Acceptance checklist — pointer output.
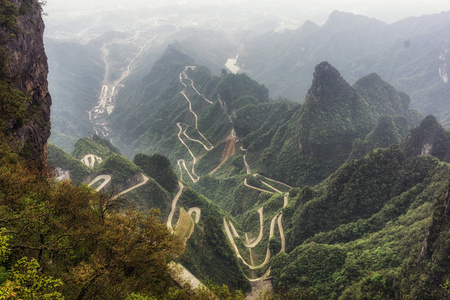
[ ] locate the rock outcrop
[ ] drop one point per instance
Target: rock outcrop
(25, 67)
(429, 138)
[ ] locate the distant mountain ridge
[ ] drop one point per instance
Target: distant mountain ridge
(411, 54)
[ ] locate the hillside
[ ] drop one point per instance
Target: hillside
(149, 182)
(329, 146)
(365, 231)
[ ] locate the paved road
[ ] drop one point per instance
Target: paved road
(195, 116)
(195, 140)
(106, 178)
(174, 204)
(282, 183)
(194, 159)
(281, 229)
(185, 76)
(271, 187)
(90, 160)
(255, 188)
(144, 181)
(197, 212)
(261, 230)
(286, 200)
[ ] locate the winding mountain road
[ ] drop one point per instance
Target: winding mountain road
(230, 230)
(181, 162)
(194, 140)
(195, 116)
(197, 212)
(90, 160)
(174, 204)
(236, 250)
(185, 76)
(261, 230)
(255, 188)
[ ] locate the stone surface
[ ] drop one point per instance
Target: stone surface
(26, 67)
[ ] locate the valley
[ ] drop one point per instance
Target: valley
(291, 168)
(223, 136)
(195, 178)
(111, 87)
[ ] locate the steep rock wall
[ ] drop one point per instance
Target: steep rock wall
(25, 67)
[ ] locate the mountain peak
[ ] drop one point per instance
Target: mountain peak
(341, 20)
(429, 138)
(309, 27)
(326, 78)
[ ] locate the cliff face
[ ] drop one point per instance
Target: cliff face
(25, 68)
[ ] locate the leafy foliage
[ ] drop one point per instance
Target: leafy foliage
(13, 107)
(77, 237)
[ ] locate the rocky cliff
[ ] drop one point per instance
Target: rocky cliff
(24, 68)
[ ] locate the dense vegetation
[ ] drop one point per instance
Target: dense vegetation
(56, 233)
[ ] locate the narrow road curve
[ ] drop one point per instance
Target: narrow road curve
(247, 167)
(194, 159)
(106, 178)
(197, 212)
(234, 230)
(281, 230)
(182, 164)
(271, 234)
(144, 181)
(195, 116)
(255, 188)
(174, 204)
(195, 140)
(286, 200)
(185, 76)
(282, 183)
(271, 187)
(90, 160)
(261, 230)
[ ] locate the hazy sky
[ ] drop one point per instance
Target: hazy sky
(315, 10)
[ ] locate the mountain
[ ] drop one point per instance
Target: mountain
(410, 54)
(315, 139)
(352, 150)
